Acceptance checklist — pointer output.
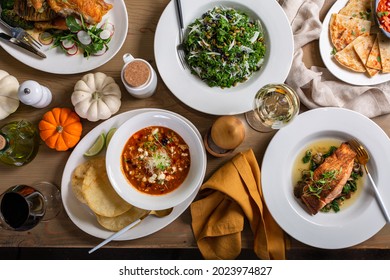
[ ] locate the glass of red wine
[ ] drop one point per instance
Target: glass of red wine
(22, 207)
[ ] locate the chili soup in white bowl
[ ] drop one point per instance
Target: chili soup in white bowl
(155, 160)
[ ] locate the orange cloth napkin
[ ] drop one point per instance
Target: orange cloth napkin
(232, 193)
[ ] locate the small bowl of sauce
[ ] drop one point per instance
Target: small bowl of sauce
(382, 15)
(138, 77)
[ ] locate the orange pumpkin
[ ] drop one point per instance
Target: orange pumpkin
(60, 129)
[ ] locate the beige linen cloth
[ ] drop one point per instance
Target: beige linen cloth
(316, 86)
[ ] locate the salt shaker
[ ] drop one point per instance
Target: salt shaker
(33, 94)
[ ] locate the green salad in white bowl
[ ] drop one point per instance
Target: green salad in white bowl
(224, 47)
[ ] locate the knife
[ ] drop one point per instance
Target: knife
(21, 44)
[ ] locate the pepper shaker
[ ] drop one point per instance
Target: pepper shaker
(224, 136)
(33, 94)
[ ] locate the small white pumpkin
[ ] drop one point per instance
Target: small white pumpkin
(9, 100)
(96, 97)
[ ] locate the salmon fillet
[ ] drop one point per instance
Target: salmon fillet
(329, 179)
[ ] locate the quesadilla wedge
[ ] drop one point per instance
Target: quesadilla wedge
(363, 49)
(358, 8)
(344, 29)
(374, 58)
(384, 50)
(349, 58)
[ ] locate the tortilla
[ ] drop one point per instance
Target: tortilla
(363, 49)
(349, 58)
(358, 8)
(119, 222)
(374, 58)
(344, 29)
(79, 174)
(384, 50)
(100, 195)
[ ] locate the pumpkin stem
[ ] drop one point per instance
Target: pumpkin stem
(59, 129)
(96, 95)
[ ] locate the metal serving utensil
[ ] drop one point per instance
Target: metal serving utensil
(21, 34)
(180, 47)
(363, 157)
(157, 213)
(21, 44)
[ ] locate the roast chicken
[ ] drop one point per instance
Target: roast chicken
(92, 11)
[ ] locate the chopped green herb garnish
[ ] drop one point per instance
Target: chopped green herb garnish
(307, 157)
(382, 14)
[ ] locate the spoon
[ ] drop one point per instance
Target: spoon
(363, 157)
(157, 213)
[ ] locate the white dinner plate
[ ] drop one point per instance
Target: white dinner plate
(356, 222)
(340, 72)
(82, 216)
(214, 100)
(57, 62)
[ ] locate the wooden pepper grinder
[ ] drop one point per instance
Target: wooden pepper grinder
(33, 94)
(225, 135)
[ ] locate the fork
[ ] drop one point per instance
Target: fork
(21, 34)
(180, 48)
(363, 157)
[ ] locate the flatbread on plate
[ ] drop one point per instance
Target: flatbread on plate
(358, 8)
(374, 58)
(349, 58)
(101, 196)
(119, 222)
(384, 50)
(363, 49)
(344, 29)
(79, 174)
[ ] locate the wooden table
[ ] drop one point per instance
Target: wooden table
(49, 164)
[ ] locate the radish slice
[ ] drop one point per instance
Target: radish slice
(105, 34)
(73, 50)
(45, 38)
(84, 37)
(79, 22)
(101, 52)
(67, 44)
(110, 27)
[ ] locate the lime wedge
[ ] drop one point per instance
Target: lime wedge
(109, 135)
(96, 147)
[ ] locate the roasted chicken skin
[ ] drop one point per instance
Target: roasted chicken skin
(329, 179)
(91, 10)
(37, 4)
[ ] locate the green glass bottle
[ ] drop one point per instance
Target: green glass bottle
(19, 143)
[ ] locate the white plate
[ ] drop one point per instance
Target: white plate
(57, 62)
(197, 94)
(326, 48)
(143, 200)
(356, 222)
(82, 216)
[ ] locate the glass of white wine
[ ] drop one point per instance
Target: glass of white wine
(274, 106)
(22, 207)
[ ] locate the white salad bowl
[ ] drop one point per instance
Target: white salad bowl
(143, 200)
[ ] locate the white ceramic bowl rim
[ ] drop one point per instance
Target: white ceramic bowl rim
(155, 202)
